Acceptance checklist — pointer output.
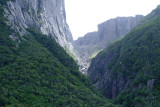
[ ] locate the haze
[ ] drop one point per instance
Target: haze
(84, 15)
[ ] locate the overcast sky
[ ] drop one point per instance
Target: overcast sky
(84, 15)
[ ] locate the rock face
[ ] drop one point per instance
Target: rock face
(130, 65)
(150, 84)
(115, 28)
(47, 16)
(109, 31)
(103, 77)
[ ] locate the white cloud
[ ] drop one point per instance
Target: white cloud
(84, 15)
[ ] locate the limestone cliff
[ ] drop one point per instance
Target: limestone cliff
(35, 71)
(47, 16)
(109, 31)
(129, 68)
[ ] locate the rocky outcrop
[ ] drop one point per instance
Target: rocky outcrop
(47, 16)
(109, 31)
(88, 39)
(115, 28)
(130, 65)
(150, 84)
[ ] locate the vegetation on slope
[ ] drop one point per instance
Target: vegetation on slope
(36, 71)
(135, 58)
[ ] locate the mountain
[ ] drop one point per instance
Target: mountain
(35, 71)
(109, 31)
(46, 16)
(129, 69)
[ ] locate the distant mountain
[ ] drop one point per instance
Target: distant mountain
(35, 71)
(129, 69)
(109, 31)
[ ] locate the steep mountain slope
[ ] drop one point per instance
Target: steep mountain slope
(109, 31)
(35, 71)
(130, 68)
(47, 16)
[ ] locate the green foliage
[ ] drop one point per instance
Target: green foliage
(37, 72)
(140, 97)
(7, 46)
(137, 59)
(55, 49)
(152, 15)
(139, 51)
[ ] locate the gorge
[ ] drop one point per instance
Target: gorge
(108, 32)
(41, 64)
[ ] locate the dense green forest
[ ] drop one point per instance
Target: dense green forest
(135, 58)
(36, 72)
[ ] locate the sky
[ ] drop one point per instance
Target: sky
(83, 16)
